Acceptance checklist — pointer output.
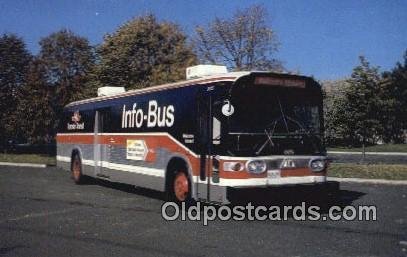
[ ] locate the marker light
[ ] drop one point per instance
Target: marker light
(317, 165)
(256, 166)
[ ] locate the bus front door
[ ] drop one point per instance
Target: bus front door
(204, 125)
(207, 184)
(209, 137)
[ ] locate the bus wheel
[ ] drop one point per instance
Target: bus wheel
(76, 170)
(181, 187)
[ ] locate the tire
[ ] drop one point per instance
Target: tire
(180, 187)
(76, 170)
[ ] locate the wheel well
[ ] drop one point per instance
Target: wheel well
(174, 165)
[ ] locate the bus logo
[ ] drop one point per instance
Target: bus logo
(76, 118)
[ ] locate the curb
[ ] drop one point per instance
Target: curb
(369, 181)
(31, 165)
(368, 153)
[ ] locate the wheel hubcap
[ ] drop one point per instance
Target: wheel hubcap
(181, 186)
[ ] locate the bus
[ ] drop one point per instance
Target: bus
(200, 138)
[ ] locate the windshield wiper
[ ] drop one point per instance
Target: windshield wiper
(269, 138)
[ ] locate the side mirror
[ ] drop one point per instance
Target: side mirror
(227, 108)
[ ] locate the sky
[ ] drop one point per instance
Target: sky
(317, 38)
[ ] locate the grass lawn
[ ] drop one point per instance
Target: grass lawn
(373, 171)
(28, 158)
(373, 148)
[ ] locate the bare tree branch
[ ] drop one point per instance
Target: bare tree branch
(244, 41)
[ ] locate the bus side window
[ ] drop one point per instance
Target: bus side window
(103, 124)
(106, 121)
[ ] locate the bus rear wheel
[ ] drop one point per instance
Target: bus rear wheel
(76, 170)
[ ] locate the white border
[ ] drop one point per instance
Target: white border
(118, 166)
(254, 182)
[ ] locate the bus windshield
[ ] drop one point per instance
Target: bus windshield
(269, 120)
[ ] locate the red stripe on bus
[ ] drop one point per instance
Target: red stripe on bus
(152, 141)
(75, 139)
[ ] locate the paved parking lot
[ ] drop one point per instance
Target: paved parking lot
(44, 214)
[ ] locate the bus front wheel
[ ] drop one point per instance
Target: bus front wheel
(180, 187)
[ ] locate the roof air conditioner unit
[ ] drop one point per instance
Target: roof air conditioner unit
(202, 70)
(105, 91)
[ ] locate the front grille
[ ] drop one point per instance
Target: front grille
(296, 162)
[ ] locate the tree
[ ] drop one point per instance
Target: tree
(14, 60)
(362, 103)
(243, 42)
(144, 52)
(68, 59)
(353, 110)
(35, 105)
(394, 102)
(335, 116)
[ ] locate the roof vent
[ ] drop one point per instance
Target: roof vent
(202, 70)
(105, 91)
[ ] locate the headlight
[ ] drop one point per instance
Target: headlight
(233, 166)
(317, 165)
(256, 166)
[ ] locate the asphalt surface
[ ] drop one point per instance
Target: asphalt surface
(44, 214)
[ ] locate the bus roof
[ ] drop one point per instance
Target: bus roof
(230, 76)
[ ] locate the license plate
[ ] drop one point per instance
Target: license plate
(273, 174)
